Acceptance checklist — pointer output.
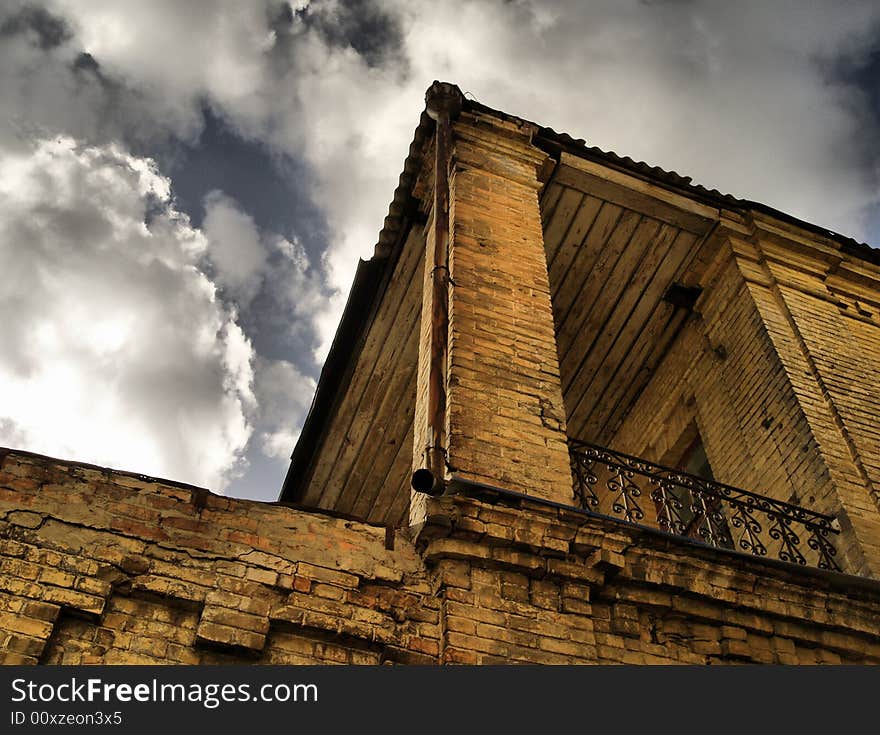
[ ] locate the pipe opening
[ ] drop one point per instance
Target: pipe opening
(424, 481)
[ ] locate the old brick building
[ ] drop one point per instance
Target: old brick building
(527, 445)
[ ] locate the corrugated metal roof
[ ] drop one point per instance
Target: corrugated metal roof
(655, 173)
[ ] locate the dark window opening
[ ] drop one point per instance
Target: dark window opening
(694, 460)
(689, 509)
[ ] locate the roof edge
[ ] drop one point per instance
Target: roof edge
(339, 362)
(552, 141)
(367, 290)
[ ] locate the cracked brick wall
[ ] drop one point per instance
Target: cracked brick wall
(106, 567)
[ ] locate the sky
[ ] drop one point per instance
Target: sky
(186, 187)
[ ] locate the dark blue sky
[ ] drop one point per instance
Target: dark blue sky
(273, 188)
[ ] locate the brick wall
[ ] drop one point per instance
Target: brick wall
(741, 372)
(107, 567)
(506, 418)
(821, 310)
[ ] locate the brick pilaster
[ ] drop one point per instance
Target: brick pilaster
(505, 415)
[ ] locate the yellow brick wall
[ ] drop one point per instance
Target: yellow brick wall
(781, 383)
(819, 307)
(106, 567)
(822, 311)
(546, 586)
(506, 418)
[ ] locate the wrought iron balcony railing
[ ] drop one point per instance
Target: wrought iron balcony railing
(720, 515)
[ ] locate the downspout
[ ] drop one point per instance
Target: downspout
(443, 103)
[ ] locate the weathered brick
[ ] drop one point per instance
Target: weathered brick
(41, 611)
(73, 599)
(322, 574)
(229, 636)
(263, 576)
(235, 619)
(24, 625)
(459, 656)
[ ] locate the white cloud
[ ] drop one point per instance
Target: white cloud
(116, 350)
(284, 394)
(175, 50)
(245, 261)
(47, 87)
(737, 95)
(298, 287)
(235, 250)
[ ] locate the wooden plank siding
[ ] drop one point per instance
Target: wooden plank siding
(357, 466)
(609, 325)
(613, 250)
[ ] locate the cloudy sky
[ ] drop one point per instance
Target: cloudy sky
(186, 187)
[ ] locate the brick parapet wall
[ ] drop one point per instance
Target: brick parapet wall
(101, 566)
(107, 567)
(554, 585)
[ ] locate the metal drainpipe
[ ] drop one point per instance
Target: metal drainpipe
(443, 103)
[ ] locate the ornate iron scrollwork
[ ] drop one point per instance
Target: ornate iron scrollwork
(686, 505)
(625, 492)
(670, 508)
(584, 479)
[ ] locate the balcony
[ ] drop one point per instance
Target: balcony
(681, 504)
